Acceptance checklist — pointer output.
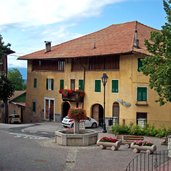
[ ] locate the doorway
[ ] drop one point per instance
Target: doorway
(65, 109)
(115, 113)
(97, 113)
(49, 109)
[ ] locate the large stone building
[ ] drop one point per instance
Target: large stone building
(80, 64)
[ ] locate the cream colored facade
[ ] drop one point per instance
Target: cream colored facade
(128, 78)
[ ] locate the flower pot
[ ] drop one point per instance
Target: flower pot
(148, 149)
(104, 145)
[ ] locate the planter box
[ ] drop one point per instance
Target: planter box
(73, 98)
(148, 149)
(114, 146)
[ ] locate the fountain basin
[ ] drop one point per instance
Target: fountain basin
(84, 138)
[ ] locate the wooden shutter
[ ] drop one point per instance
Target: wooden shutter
(35, 82)
(81, 84)
(115, 86)
(97, 85)
(52, 83)
(142, 94)
(61, 84)
(46, 84)
(139, 64)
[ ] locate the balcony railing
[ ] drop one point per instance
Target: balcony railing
(72, 95)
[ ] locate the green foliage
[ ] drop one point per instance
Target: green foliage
(120, 129)
(136, 130)
(158, 65)
(4, 49)
(148, 130)
(15, 77)
(6, 88)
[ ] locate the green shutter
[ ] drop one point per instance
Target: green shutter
(139, 64)
(34, 106)
(61, 84)
(97, 85)
(46, 84)
(115, 86)
(81, 84)
(52, 83)
(35, 82)
(142, 94)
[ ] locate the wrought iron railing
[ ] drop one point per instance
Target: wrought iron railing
(158, 161)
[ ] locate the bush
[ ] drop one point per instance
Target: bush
(120, 129)
(148, 130)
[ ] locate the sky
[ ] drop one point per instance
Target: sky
(26, 24)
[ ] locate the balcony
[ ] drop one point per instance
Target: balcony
(72, 95)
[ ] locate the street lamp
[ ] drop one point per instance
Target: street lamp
(104, 81)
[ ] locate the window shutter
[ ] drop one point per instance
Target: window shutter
(46, 84)
(35, 82)
(97, 85)
(142, 94)
(52, 83)
(115, 86)
(61, 84)
(139, 64)
(34, 106)
(81, 84)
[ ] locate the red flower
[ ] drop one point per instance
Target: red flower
(77, 114)
(108, 139)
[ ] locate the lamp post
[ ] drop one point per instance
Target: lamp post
(104, 81)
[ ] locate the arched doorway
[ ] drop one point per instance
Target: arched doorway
(115, 113)
(65, 108)
(97, 113)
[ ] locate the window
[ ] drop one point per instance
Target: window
(61, 84)
(141, 119)
(72, 85)
(34, 106)
(139, 64)
(61, 65)
(115, 86)
(49, 84)
(142, 94)
(81, 85)
(97, 85)
(35, 83)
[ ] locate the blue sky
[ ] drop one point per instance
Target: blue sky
(27, 24)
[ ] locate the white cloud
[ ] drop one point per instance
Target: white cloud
(39, 12)
(14, 63)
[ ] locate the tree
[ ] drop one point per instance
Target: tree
(15, 77)
(6, 91)
(4, 49)
(158, 65)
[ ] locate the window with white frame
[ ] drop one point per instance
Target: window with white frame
(49, 84)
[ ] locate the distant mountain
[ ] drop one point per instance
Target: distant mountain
(23, 72)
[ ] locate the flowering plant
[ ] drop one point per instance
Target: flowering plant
(143, 143)
(77, 114)
(80, 93)
(66, 92)
(108, 139)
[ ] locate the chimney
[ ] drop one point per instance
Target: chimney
(47, 46)
(136, 40)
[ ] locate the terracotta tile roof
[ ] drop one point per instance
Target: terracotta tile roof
(16, 94)
(115, 39)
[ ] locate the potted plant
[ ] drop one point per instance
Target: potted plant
(109, 142)
(72, 95)
(77, 114)
(147, 146)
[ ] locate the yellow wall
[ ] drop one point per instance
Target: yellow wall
(129, 79)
